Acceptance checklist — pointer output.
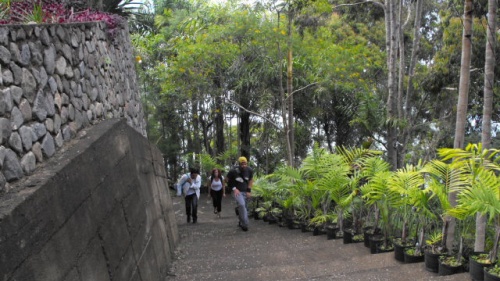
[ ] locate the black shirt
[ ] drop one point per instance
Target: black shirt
(239, 178)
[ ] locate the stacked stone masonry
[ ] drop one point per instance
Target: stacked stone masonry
(56, 80)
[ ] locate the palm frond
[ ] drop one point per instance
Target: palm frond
(482, 196)
(371, 166)
(442, 178)
(353, 155)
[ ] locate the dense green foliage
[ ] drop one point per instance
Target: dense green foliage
(213, 79)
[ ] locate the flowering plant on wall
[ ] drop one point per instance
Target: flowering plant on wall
(53, 11)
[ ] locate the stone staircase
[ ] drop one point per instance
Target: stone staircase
(217, 249)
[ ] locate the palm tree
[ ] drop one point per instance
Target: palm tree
(441, 177)
(376, 192)
(407, 182)
(473, 158)
(323, 171)
(482, 196)
(489, 73)
(463, 92)
(421, 202)
(334, 186)
(369, 168)
(267, 193)
(290, 185)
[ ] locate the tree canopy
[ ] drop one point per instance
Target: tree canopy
(214, 78)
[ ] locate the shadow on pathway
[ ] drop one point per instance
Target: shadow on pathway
(217, 249)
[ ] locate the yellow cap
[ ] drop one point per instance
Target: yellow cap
(242, 159)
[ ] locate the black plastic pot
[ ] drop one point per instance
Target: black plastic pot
(331, 232)
(374, 241)
(446, 269)
(399, 251)
(413, 259)
(303, 227)
(490, 277)
(431, 261)
(476, 269)
(347, 237)
(367, 233)
(316, 231)
(256, 216)
(272, 219)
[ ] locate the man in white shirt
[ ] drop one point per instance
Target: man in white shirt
(191, 184)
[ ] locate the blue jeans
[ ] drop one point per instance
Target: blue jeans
(241, 200)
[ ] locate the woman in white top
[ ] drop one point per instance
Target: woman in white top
(217, 190)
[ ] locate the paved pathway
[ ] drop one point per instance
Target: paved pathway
(217, 249)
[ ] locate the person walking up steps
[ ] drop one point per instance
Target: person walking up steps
(240, 180)
(217, 190)
(191, 184)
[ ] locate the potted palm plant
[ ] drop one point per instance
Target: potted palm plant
(480, 189)
(336, 192)
(440, 178)
(481, 196)
(290, 188)
(304, 209)
(478, 262)
(265, 190)
(363, 163)
(376, 192)
(407, 182)
(423, 219)
(456, 261)
(433, 251)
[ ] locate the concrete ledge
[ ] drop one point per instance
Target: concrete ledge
(100, 209)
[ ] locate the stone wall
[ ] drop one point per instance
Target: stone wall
(56, 80)
(98, 210)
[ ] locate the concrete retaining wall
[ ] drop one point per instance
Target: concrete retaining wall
(100, 209)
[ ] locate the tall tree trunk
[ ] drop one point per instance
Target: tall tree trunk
(392, 48)
(205, 131)
(219, 126)
(244, 126)
(284, 118)
(489, 76)
(289, 89)
(463, 90)
(328, 135)
(407, 112)
(463, 93)
(401, 147)
(195, 135)
(245, 134)
(401, 67)
(188, 129)
(413, 59)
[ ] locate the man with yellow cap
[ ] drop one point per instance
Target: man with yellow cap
(240, 180)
